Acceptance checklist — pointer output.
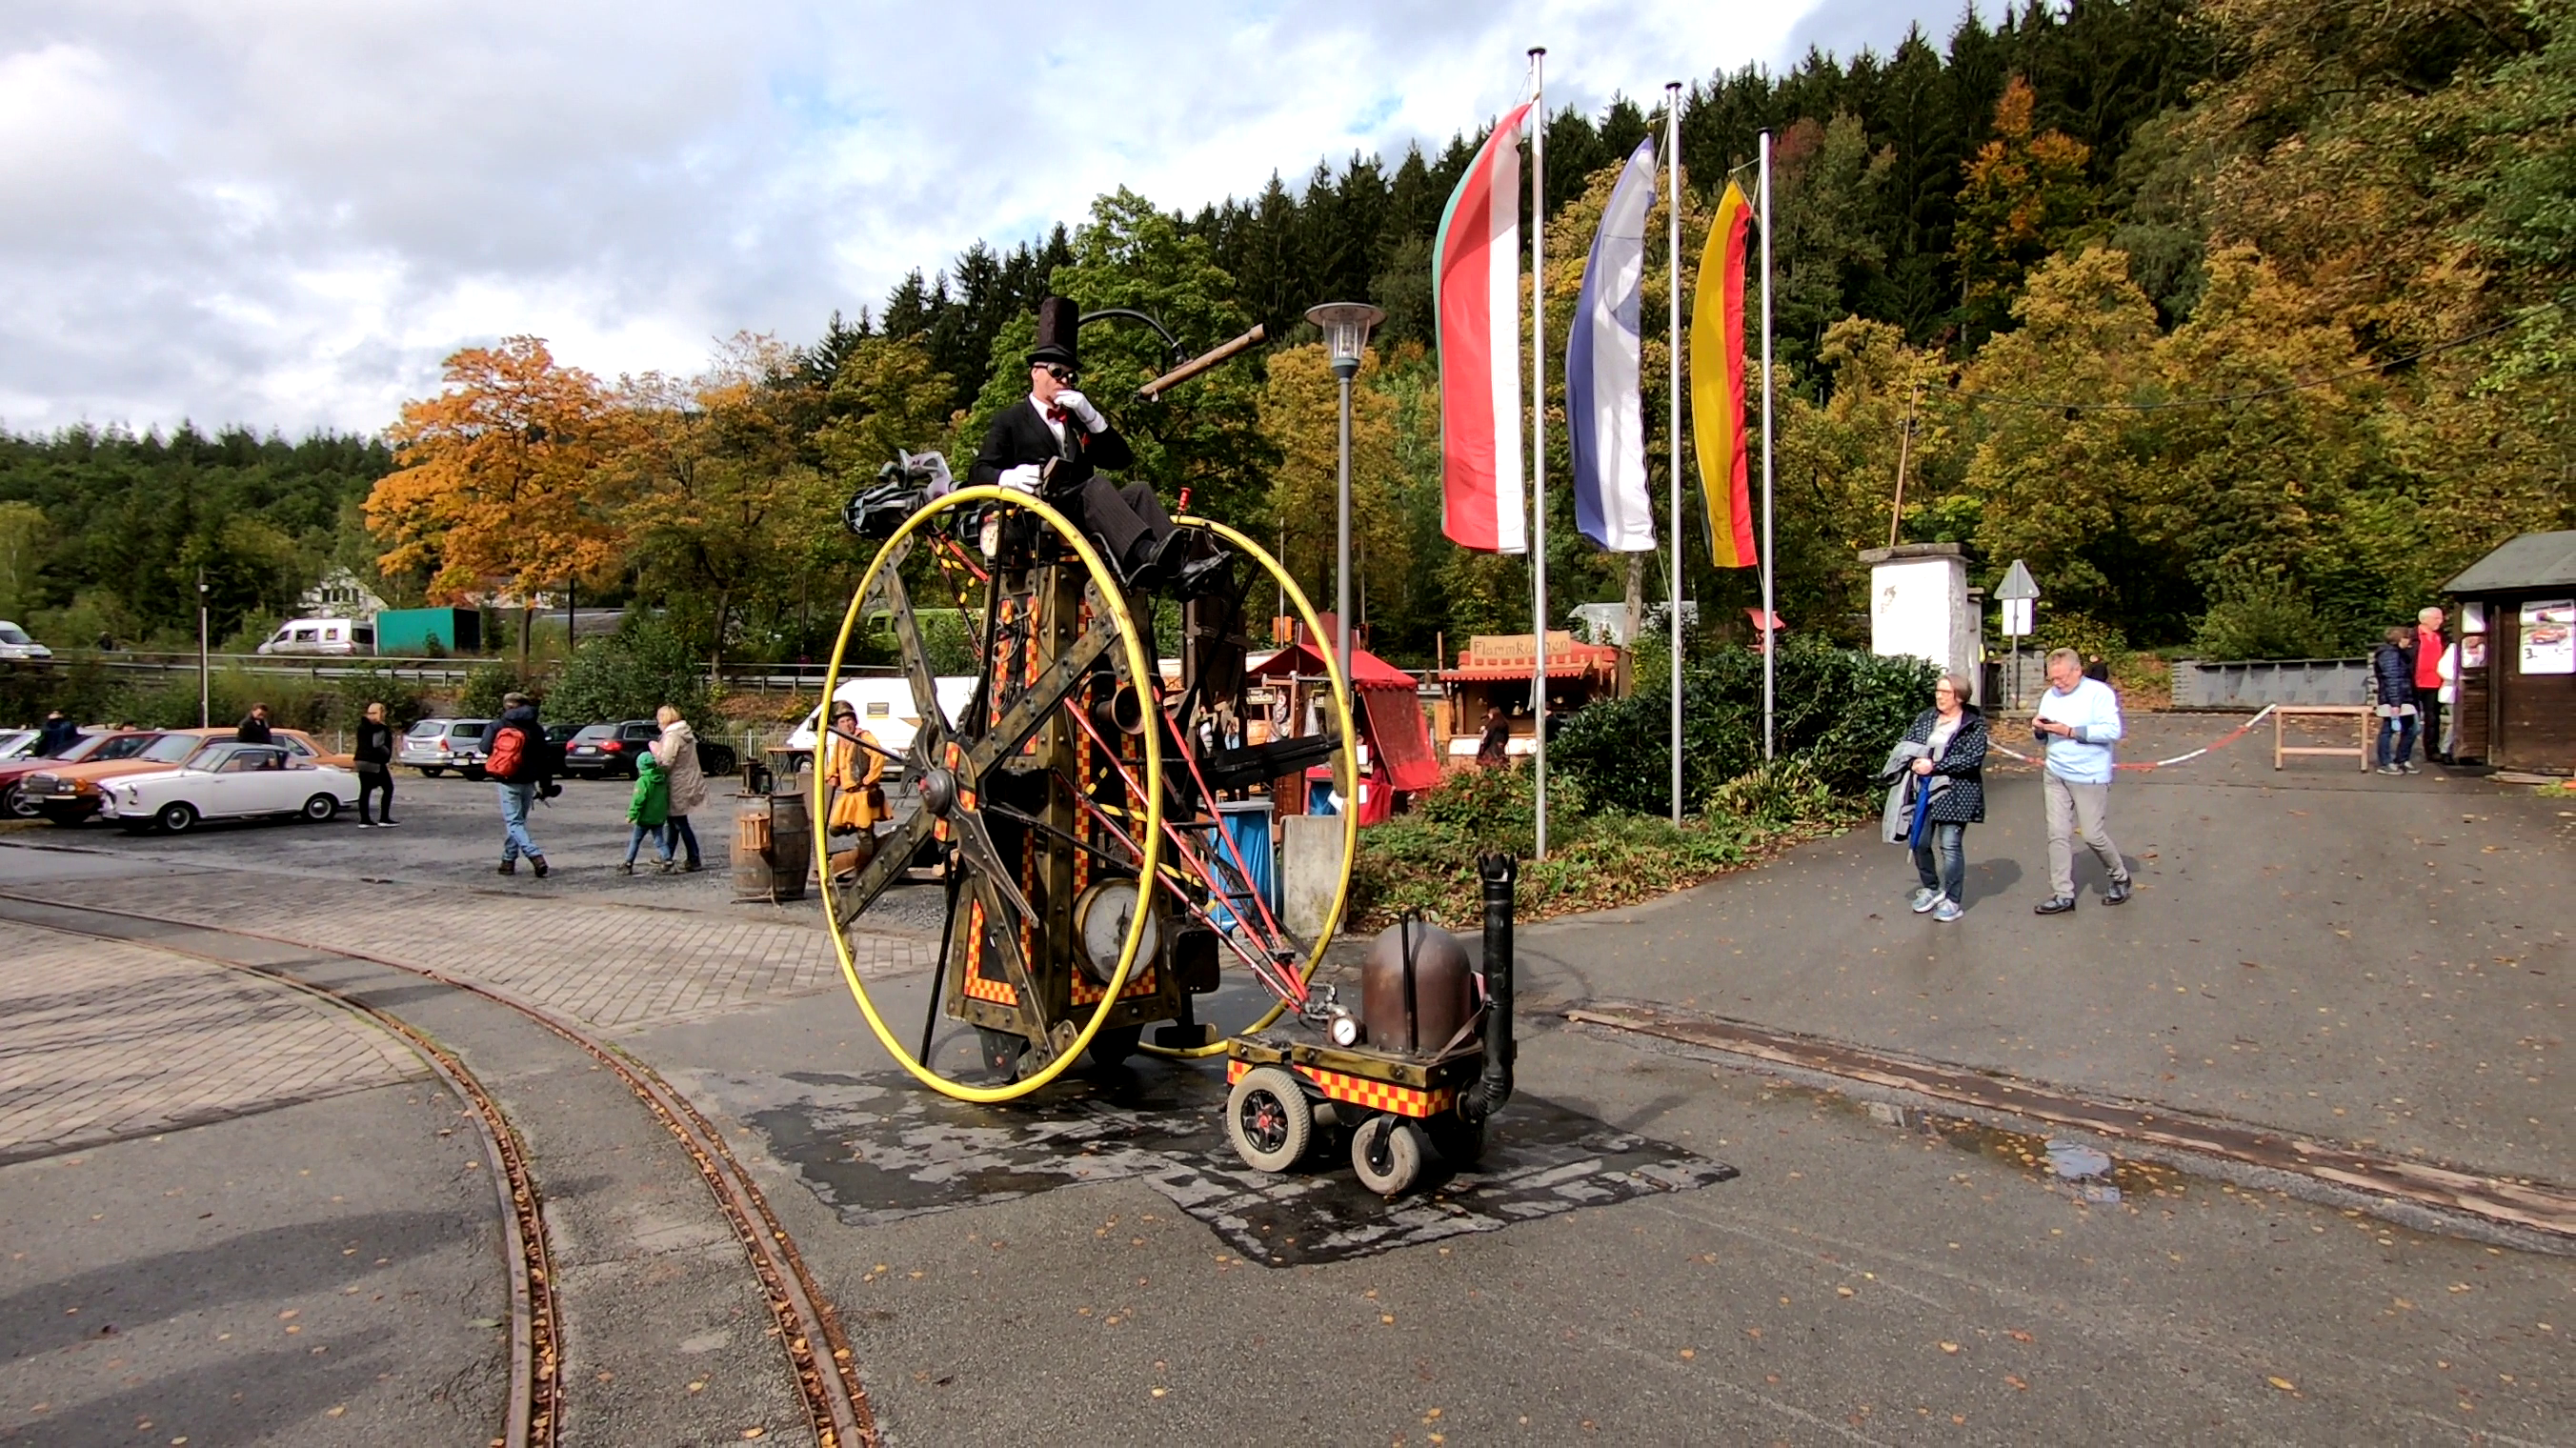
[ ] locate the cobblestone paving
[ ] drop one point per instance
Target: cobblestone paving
(615, 966)
(100, 1042)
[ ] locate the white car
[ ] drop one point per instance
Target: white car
(229, 781)
(16, 647)
(886, 710)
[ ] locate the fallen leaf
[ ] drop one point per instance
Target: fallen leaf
(1842, 1292)
(2018, 1336)
(1158, 1392)
(2284, 1384)
(2018, 1384)
(1949, 1347)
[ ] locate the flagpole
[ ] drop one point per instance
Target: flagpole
(1538, 422)
(1673, 427)
(1770, 635)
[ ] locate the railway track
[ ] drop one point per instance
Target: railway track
(819, 1356)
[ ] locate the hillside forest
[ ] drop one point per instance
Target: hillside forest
(2245, 323)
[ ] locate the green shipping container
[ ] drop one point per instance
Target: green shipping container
(412, 632)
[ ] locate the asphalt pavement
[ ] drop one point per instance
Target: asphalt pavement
(1658, 1249)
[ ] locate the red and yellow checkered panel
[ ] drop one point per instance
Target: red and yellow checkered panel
(1361, 1091)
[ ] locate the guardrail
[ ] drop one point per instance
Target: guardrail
(757, 678)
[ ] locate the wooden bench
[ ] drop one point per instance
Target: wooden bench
(2282, 712)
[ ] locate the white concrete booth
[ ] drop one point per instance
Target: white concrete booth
(1919, 605)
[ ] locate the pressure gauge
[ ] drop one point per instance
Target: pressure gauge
(1345, 1029)
(1102, 917)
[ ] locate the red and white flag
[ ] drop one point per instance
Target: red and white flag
(1476, 297)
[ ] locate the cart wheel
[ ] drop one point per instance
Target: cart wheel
(1269, 1119)
(1387, 1154)
(1115, 1044)
(1461, 1143)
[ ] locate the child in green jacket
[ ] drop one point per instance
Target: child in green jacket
(648, 811)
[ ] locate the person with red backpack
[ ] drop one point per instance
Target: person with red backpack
(521, 762)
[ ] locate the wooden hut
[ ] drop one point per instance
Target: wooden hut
(2516, 624)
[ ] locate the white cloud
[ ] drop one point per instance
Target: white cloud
(285, 212)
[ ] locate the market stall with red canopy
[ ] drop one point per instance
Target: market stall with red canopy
(1383, 706)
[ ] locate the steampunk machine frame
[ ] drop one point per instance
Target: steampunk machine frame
(1092, 894)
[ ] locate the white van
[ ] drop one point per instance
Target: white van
(326, 636)
(886, 710)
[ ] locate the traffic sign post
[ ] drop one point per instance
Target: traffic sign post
(2019, 594)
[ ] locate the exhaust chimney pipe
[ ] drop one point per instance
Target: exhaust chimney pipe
(1494, 1086)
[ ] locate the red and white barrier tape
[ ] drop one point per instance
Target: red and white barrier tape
(2223, 740)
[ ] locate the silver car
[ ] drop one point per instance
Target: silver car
(435, 746)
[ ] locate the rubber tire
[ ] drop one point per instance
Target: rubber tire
(321, 809)
(1459, 1143)
(1113, 1044)
(1405, 1149)
(13, 802)
(175, 818)
(1263, 1090)
(431, 771)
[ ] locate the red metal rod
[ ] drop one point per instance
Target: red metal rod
(1295, 993)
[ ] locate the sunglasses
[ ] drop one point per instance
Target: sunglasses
(1060, 373)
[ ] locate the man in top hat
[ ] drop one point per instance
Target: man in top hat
(1060, 425)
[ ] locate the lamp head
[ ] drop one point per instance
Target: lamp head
(1346, 327)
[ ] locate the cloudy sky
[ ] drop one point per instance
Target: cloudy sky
(285, 212)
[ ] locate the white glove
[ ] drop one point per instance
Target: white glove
(1024, 478)
(1080, 406)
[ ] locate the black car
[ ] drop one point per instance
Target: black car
(608, 751)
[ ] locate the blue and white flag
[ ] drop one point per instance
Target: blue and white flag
(1611, 504)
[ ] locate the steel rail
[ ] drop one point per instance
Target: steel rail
(536, 1327)
(2521, 1202)
(819, 1352)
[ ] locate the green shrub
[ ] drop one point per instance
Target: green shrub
(484, 686)
(2267, 620)
(1839, 710)
(630, 674)
(1781, 794)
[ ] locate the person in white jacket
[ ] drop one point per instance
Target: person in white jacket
(2078, 719)
(2448, 696)
(677, 752)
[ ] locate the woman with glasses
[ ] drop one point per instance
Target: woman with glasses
(1948, 795)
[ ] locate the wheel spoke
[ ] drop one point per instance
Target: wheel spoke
(1044, 695)
(907, 633)
(894, 856)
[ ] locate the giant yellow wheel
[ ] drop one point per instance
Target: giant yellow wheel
(1345, 778)
(949, 764)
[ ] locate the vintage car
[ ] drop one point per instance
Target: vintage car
(91, 748)
(227, 780)
(71, 793)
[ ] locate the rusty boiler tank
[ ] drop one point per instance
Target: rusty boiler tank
(1417, 990)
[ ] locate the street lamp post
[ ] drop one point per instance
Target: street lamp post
(1346, 327)
(204, 704)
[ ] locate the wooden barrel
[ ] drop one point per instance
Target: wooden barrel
(773, 847)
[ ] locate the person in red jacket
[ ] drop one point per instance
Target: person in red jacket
(2429, 645)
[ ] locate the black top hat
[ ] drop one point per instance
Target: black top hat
(1057, 319)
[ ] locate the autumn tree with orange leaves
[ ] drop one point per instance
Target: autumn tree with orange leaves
(2025, 199)
(501, 481)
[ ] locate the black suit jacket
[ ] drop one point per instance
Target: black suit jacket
(1020, 435)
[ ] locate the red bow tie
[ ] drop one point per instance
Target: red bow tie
(1056, 414)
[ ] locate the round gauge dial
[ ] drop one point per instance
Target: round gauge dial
(1102, 917)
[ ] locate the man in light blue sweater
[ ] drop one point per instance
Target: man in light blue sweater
(2078, 719)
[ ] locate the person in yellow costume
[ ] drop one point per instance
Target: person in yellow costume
(856, 772)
